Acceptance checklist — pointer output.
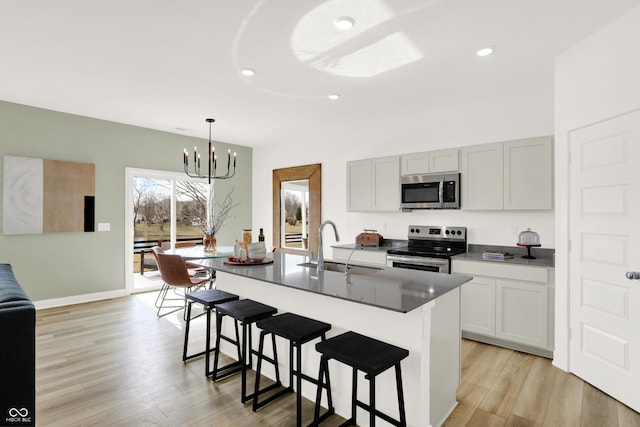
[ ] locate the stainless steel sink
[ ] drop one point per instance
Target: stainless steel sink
(341, 268)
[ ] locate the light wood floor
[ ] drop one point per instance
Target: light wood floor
(114, 363)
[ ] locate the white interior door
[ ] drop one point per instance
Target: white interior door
(605, 245)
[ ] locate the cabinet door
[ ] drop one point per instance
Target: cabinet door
(386, 184)
(528, 174)
(414, 163)
(482, 177)
(359, 185)
(443, 160)
(477, 306)
(521, 312)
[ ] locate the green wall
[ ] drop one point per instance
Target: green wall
(60, 265)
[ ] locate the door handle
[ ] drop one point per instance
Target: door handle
(633, 275)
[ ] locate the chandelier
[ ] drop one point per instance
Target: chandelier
(212, 162)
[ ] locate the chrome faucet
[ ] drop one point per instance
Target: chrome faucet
(320, 254)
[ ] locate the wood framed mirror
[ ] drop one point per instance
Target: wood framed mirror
(296, 209)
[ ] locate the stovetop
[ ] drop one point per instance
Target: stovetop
(433, 241)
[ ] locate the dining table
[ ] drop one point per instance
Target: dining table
(198, 252)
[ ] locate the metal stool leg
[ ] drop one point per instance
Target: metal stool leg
(186, 333)
(403, 417)
(372, 401)
(354, 396)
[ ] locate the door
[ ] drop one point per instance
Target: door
(604, 232)
(160, 207)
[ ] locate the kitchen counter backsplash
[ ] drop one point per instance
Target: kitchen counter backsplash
(545, 257)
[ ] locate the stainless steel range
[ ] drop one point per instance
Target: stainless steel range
(430, 248)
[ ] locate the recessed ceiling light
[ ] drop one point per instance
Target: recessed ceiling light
(334, 96)
(344, 22)
(247, 72)
(485, 51)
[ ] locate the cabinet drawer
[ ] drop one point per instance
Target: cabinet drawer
(499, 270)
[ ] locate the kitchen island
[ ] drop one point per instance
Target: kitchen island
(418, 311)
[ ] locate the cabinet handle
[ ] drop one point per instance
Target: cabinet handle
(633, 275)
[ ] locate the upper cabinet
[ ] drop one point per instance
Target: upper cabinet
(374, 184)
(512, 175)
(528, 174)
(429, 162)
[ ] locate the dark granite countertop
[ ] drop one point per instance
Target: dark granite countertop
(389, 288)
(545, 257)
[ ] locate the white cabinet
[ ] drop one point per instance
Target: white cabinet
(374, 184)
(507, 304)
(521, 314)
(482, 177)
(512, 175)
(359, 185)
(528, 174)
(429, 162)
(478, 306)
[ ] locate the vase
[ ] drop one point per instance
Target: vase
(209, 243)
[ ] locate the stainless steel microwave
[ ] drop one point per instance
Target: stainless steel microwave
(430, 191)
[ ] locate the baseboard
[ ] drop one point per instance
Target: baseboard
(508, 344)
(78, 299)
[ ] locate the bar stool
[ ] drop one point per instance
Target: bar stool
(246, 312)
(209, 299)
(370, 356)
(298, 330)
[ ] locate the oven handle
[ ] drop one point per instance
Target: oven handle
(416, 260)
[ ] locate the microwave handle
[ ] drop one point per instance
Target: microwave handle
(441, 192)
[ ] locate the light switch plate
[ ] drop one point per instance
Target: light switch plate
(104, 226)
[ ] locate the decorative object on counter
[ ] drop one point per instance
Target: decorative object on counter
(496, 255)
(369, 238)
(246, 261)
(246, 238)
(529, 239)
(261, 236)
(210, 243)
(211, 162)
(215, 221)
(256, 251)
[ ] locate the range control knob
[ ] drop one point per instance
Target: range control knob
(447, 232)
(412, 230)
(459, 232)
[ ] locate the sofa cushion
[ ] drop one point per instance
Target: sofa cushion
(11, 293)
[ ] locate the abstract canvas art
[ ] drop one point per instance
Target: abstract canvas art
(47, 196)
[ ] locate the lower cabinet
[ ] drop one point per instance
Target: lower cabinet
(507, 304)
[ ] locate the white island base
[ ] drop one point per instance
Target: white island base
(431, 333)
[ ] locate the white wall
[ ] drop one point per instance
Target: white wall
(520, 115)
(597, 79)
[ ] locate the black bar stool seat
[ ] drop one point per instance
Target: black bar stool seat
(247, 312)
(298, 330)
(370, 356)
(209, 299)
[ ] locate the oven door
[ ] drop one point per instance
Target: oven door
(435, 265)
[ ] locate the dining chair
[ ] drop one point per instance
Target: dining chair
(175, 275)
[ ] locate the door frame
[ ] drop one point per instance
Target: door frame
(130, 175)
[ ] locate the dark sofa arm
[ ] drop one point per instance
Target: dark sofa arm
(17, 352)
